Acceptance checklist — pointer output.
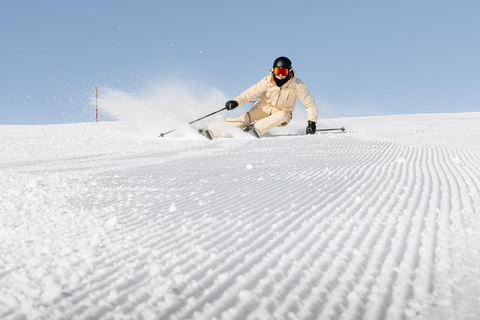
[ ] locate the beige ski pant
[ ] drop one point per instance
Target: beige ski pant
(264, 121)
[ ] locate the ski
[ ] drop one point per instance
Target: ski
(209, 134)
(332, 129)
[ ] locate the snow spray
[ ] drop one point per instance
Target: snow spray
(162, 108)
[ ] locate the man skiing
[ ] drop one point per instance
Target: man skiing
(278, 93)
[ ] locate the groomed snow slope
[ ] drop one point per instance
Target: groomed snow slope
(379, 222)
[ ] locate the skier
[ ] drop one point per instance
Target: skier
(278, 93)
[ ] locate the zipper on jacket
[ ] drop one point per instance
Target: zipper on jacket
(271, 109)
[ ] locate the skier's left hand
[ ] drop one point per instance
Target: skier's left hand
(311, 128)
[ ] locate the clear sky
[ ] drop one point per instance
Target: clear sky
(356, 57)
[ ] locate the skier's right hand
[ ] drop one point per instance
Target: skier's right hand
(231, 104)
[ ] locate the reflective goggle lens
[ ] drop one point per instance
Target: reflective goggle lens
(278, 71)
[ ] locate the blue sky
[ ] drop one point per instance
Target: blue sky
(357, 57)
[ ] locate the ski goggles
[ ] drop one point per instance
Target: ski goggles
(283, 71)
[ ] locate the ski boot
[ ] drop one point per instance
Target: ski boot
(251, 129)
(206, 133)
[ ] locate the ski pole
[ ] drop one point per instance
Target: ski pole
(332, 129)
(208, 115)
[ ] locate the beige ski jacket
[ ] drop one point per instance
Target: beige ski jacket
(274, 98)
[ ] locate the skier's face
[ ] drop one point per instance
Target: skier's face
(280, 76)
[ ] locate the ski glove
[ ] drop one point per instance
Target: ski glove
(231, 104)
(311, 128)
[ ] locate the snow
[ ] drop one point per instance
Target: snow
(101, 221)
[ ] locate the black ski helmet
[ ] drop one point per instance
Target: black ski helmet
(282, 62)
